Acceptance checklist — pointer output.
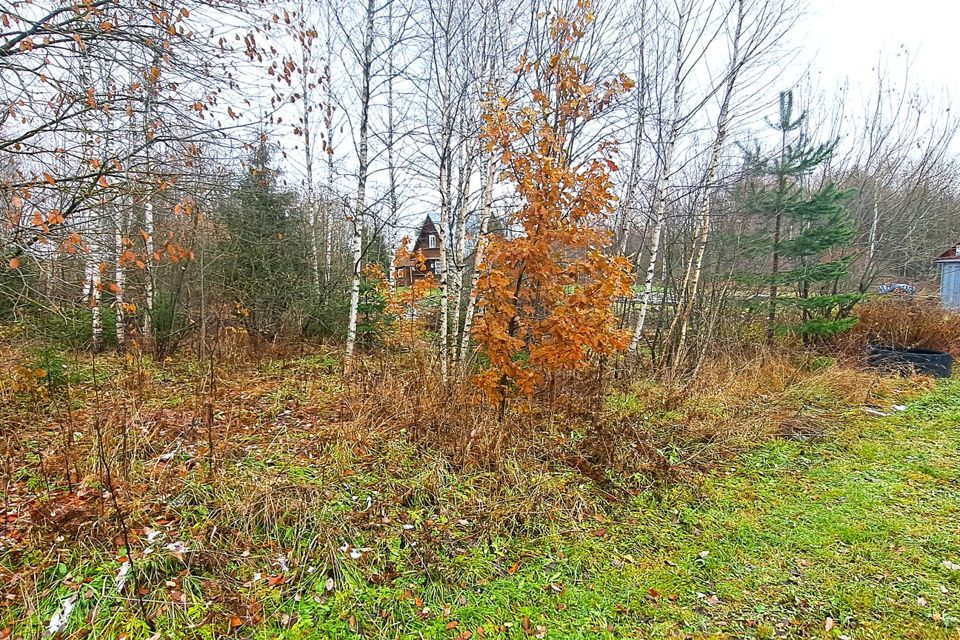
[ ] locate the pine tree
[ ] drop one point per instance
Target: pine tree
(802, 231)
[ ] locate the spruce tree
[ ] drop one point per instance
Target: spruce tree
(265, 252)
(801, 230)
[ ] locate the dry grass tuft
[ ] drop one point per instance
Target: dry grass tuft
(283, 458)
(736, 404)
(909, 323)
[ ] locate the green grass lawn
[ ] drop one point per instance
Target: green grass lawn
(854, 535)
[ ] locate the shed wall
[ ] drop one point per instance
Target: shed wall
(950, 284)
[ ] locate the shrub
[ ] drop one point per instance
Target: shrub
(54, 363)
(905, 323)
(71, 327)
(324, 318)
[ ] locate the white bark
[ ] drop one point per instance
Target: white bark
(118, 277)
(362, 171)
(88, 267)
(700, 243)
(308, 160)
(486, 208)
(356, 252)
(393, 202)
(459, 247)
(663, 189)
(148, 261)
(96, 317)
(446, 164)
(872, 242)
(444, 271)
(664, 183)
(328, 123)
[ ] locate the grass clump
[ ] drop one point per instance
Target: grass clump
(299, 505)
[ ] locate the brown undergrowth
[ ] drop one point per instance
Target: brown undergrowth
(904, 322)
(281, 457)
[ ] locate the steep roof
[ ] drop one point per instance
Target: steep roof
(427, 228)
(950, 255)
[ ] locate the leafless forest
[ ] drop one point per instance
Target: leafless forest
(129, 130)
(514, 264)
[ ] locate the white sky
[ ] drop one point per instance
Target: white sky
(842, 41)
(846, 38)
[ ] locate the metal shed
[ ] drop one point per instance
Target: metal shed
(949, 262)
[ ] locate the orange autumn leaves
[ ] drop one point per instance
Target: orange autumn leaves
(546, 295)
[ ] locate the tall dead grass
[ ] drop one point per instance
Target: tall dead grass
(903, 322)
(624, 435)
(296, 462)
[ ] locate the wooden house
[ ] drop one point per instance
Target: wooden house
(949, 262)
(407, 271)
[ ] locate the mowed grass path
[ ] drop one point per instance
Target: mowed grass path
(853, 535)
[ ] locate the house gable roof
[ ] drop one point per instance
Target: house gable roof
(427, 228)
(950, 255)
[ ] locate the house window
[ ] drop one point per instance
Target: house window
(432, 264)
(432, 241)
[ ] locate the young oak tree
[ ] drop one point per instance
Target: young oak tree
(546, 293)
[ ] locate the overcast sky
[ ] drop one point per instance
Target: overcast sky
(845, 38)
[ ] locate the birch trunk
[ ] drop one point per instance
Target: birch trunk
(362, 170)
(872, 242)
(328, 122)
(118, 277)
(663, 188)
(96, 284)
(393, 203)
(622, 232)
(662, 191)
(87, 279)
(444, 289)
(308, 160)
(446, 164)
(700, 243)
(478, 257)
(148, 329)
(459, 248)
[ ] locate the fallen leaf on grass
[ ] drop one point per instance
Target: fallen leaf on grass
(122, 575)
(60, 619)
(555, 587)
(711, 601)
